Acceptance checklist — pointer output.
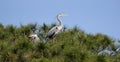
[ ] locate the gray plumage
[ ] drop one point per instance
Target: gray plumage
(55, 29)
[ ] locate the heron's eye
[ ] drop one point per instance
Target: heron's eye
(34, 37)
(56, 27)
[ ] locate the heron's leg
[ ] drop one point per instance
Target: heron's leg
(53, 40)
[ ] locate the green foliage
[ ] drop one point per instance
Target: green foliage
(70, 45)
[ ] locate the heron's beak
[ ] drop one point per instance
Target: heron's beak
(62, 14)
(65, 15)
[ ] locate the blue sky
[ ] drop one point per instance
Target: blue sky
(93, 16)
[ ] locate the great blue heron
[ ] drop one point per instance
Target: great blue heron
(55, 29)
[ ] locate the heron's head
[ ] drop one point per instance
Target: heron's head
(62, 14)
(34, 37)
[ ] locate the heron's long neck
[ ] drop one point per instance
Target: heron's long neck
(60, 22)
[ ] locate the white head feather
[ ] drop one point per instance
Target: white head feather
(34, 37)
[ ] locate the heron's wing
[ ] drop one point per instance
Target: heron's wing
(52, 32)
(51, 35)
